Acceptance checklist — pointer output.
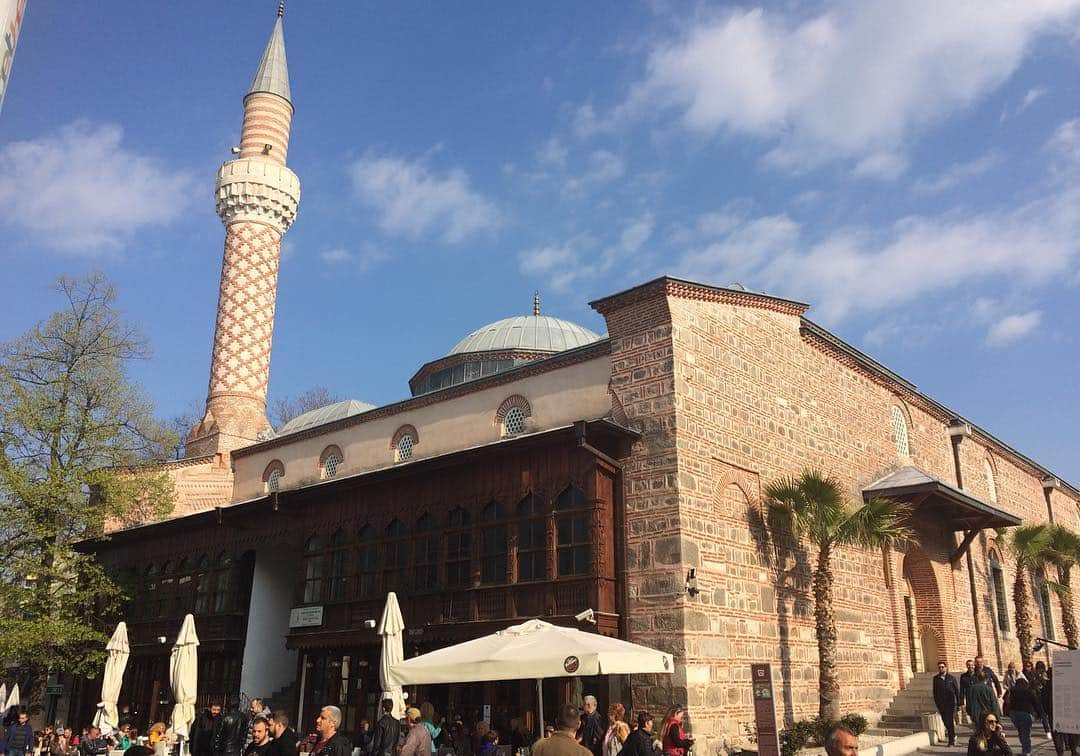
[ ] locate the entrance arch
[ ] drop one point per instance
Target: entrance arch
(924, 622)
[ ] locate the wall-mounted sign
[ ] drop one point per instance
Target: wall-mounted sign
(306, 616)
(768, 738)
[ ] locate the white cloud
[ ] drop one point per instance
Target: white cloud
(956, 174)
(368, 257)
(1065, 142)
(412, 201)
(604, 166)
(860, 269)
(853, 82)
(1031, 97)
(1012, 328)
(80, 191)
(553, 153)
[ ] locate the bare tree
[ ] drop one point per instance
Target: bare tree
(286, 408)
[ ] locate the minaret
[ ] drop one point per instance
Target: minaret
(257, 197)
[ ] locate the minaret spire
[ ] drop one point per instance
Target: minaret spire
(536, 303)
(257, 198)
(281, 9)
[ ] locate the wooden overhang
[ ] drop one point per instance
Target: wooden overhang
(935, 499)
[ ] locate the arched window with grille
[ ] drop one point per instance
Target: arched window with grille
(339, 560)
(531, 539)
(493, 544)
(512, 415)
(900, 432)
(202, 585)
(458, 549)
(367, 562)
(403, 443)
(313, 570)
(427, 554)
(223, 584)
(572, 532)
(330, 462)
(395, 556)
(272, 476)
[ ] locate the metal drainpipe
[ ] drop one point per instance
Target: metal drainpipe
(958, 430)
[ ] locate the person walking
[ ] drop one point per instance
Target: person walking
(988, 739)
(675, 741)
(947, 699)
(418, 738)
(563, 742)
(1011, 676)
(202, 731)
(967, 679)
(387, 731)
(841, 741)
(1024, 706)
(615, 714)
(981, 699)
(284, 737)
(19, 736)
(592, 729)
(991, 676)
(640, 741)
(331, 742)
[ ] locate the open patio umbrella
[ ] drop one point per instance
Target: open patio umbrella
(533, 649)
(391, 626)
(107, 717)
(183, 678)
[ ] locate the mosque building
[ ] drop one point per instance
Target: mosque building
(539, 469)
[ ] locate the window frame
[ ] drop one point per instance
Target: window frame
(458, 555)
(494, 544)
(328, 469)
(395, 561)
(572, 520)
(314, 555)
(531, 543)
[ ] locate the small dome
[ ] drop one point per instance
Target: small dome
(326, 414)
(530, 333)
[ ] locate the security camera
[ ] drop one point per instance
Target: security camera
(235, 150)
(586, 616)
(369, 624)
(267, 148)
(162, 639)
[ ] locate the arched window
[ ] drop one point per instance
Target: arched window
(900, 432)
(403, 442)
(395, 556)
(427, 554)
(991, 487)
(202, 585)
(1001, 598)
(512, 415)
(329, 462)
(493, 544)
(183, 585)
(367, 562)
(272, 476)
(167, 591)
(150, 583)
(313, 570)
(572, 532)
(339, 558)
(1046, 607)
(531, 539)
(223, 586)
(458, 549)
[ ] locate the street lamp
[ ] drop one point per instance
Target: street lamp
(1041, 643)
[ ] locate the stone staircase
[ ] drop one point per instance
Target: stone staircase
(285, 699)
(905, 713)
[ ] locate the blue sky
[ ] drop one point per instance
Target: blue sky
(911, 169)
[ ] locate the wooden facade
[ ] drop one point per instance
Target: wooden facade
(470, 542)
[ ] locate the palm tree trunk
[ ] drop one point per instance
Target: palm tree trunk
(1068, 616)
(1023, 614)
(825, 621)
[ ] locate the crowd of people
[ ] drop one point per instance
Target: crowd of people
(981, 699)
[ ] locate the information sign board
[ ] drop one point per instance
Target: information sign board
(768, 737)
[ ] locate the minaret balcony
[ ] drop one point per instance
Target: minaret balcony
(258, 191)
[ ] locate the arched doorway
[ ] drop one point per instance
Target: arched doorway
(922, 613)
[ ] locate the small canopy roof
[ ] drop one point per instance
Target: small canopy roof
(533, 649)
(930, 496)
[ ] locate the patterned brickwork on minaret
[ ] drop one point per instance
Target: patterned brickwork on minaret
(256, 197)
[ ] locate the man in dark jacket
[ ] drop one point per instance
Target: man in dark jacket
(947, 699)
(991, 676)
(640, 741)
(230, 734)
(19, 737)
(202, 731)
(591, 734)
(967, 679)
(284, 742)
(93, 744)
(331, 742)
(260, 738)
(387, 731)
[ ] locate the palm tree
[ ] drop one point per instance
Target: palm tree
(812, 506)
(1064, 553)
(1029, 546)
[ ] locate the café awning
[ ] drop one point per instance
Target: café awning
(934, 499)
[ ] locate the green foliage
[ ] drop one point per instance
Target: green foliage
(811, 732)
(76, 436)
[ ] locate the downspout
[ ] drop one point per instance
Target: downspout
(958, 431)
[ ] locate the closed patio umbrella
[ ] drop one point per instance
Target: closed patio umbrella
(183, 678)
(13, 699)
(391, 626)
(107, 717)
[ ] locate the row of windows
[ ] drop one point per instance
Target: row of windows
(173, 588)
(511, 417)
(1001, 601)
(511, 546)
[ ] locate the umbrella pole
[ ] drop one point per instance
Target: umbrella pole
(540, 706)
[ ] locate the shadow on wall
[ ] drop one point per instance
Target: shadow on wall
(789, 565)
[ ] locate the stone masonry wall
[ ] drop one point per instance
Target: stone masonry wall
(730, 397)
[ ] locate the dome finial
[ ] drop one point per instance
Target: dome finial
(281, 9)
(536, 303)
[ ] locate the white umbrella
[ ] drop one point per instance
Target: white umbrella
(533, 649)
(183, 677)
(3, 698)
(390, 628)
(13, 699)
(107, 718)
